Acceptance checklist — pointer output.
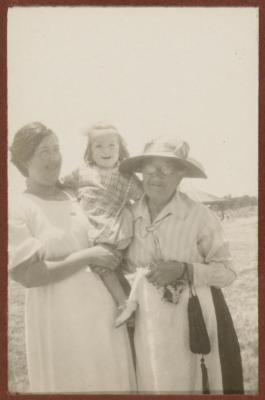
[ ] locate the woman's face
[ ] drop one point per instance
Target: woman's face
(105, 150)
(45, 164)
(160, 179)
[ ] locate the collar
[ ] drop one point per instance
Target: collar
(178, 206)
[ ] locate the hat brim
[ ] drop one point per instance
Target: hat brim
(190, 167)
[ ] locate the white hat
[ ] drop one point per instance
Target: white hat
(170, 149)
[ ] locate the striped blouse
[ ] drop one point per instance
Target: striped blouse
(184, 231)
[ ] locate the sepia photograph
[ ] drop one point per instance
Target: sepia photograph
(133, 200)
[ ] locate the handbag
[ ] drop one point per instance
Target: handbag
(198, 335)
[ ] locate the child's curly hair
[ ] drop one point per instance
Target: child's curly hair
(106, 128)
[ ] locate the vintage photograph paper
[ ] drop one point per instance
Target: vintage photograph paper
(133, 200)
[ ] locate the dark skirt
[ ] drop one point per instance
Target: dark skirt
(229, 350)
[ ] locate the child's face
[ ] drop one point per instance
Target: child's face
(105, 150)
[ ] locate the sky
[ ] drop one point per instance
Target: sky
(150, 71)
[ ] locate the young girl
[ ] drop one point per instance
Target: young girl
(104, 194)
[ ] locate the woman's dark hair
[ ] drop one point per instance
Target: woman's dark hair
(104, 128)
(25, 142)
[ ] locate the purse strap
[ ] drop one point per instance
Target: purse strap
(186, 274)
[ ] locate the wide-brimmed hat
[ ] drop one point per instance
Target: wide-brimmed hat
(170, 149)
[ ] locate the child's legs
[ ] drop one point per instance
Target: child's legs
(138, 276)
(132, 302)
(123, 281)
(114, 286)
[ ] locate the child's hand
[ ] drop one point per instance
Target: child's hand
(70, 181)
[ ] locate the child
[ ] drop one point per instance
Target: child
(104, 193)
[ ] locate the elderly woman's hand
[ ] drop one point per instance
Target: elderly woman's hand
(165, 272)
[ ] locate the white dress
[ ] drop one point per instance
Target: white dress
(184, 231)
(72, 344)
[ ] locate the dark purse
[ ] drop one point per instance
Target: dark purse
(198, 335)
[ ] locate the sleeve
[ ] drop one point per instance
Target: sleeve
(216, 270)
(136, 188)
(22, 245)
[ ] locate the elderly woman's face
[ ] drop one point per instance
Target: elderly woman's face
(160, 179)
(45, 164)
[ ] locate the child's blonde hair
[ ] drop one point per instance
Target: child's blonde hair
(100, 128)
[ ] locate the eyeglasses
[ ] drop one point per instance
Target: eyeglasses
(165, 170)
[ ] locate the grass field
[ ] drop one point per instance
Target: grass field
(242, 297)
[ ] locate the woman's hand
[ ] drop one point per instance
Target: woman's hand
(101, 271)
(104, 258)
(165, 272)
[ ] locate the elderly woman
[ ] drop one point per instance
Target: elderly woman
(178, 241)
(72, 344)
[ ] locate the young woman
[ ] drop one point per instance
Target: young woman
(72, 343)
